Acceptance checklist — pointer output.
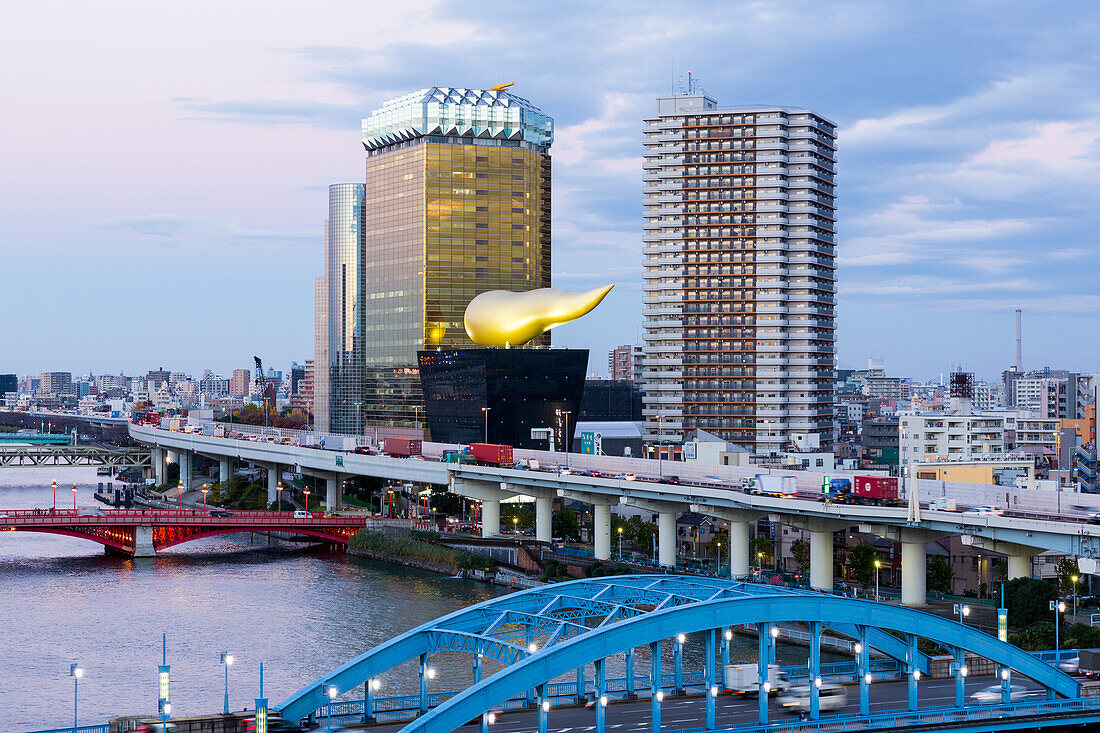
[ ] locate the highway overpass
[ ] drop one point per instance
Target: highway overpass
(716, 494)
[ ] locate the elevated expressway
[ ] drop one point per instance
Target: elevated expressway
(1018, 538)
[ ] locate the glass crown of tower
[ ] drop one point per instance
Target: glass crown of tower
(475, 113)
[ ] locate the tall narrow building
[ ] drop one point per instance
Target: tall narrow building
(456, 201)
(739, 290)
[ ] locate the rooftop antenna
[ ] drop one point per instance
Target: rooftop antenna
(1019, 340)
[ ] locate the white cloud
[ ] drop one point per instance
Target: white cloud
(157, 225)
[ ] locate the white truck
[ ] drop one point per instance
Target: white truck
(770, 485)
(944, 504)
(744, 679)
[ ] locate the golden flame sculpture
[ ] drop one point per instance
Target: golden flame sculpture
(504, 318)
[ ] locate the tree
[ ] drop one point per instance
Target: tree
(566, 525)
(524, 516)
(861, 563)
(1068, 574)
(940, 574)
(1028, 600)
(762, 551)
(800, 549)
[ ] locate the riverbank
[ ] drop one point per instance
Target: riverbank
(415, 553)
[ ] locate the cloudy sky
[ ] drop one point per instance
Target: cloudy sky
(165, 168)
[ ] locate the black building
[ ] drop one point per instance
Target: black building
(8, 383)
(611, 400)
(521, 389)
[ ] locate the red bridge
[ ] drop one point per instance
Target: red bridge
(144, 532)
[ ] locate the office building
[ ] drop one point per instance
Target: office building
(611, 400)
(739, 293)
(239, 383)
(626, 362)
(8, 383)
(456, 201)
(56, 383)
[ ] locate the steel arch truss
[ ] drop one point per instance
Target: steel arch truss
(547, 632)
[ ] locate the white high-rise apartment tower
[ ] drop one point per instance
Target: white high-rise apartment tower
(739, 288)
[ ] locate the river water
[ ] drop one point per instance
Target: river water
(301, 612)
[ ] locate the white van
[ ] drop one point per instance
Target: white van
(302, 514)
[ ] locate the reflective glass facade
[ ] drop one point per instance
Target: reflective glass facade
(440, 218)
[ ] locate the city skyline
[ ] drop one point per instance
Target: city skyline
(205, 187)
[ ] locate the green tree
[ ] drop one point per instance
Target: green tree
(762, 550)
(800, 549)
(861, 563)
(1068, 575)
(566, 525)
(940, 574)
(1028, 600)
(516, 516)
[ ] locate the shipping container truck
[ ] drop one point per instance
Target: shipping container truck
(457, 456)
(491, 453)
(402, 447)
(1088, 662)
(880, 490)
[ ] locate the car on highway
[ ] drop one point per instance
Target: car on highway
(797, 699)
(993, 693)
(627, 477)
(302, 514)
(670, 479)
(989, 510)
(220, 513)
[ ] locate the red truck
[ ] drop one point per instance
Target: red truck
(495, 455)
(875, 490)
(402, 447)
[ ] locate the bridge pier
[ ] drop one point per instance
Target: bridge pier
(490, 494)
(490, 518)
(273, 485)
(332, 493)
(160, 466)
(740, 524)
(544, 518)
(143, 541)
(914, 560)
(225, 470)
(1019, 556)
(666, 525)
(601, 531)
(821, 547)
(186, 461)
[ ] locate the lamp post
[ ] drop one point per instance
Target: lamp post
(1059, 607)
(76, 673)
(205, 489)
(878, 565)
(1074, 579)
(486, 411)
(331, 696)
(962, 612)
(226, 659)
(718, 557)
(279, 496)
(515, 525)
(74, 498)
(620, 543)
(305, 491)
(760, 562)
(179, 486)
(54, 496)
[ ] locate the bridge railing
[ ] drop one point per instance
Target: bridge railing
(931, 716)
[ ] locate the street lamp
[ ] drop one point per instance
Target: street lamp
(878, 564)
(54, 496)
(718, 557)
(306, 493)
(515, 525)
(1059, 607)
(74, 498)
(205, 489)
(1074, 579)
(179, 486)
(76, 673)
(331, 697)
(486, 411)
(760, 562)
(226, 659)
(962, 612)
(279, 496)
(620, 543)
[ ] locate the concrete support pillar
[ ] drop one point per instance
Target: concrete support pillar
(490, 518)
(173, 456)
(272, 485)
(821, 560)
(666, 538)
(224, 470)
(739, 548)
(332, 493)
(544, 518)
(1019, 566)
(913, 574)
(143, 542)
(160, 466)
(601, 531)
(186, 461)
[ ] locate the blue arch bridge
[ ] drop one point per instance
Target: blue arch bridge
(552, 647)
